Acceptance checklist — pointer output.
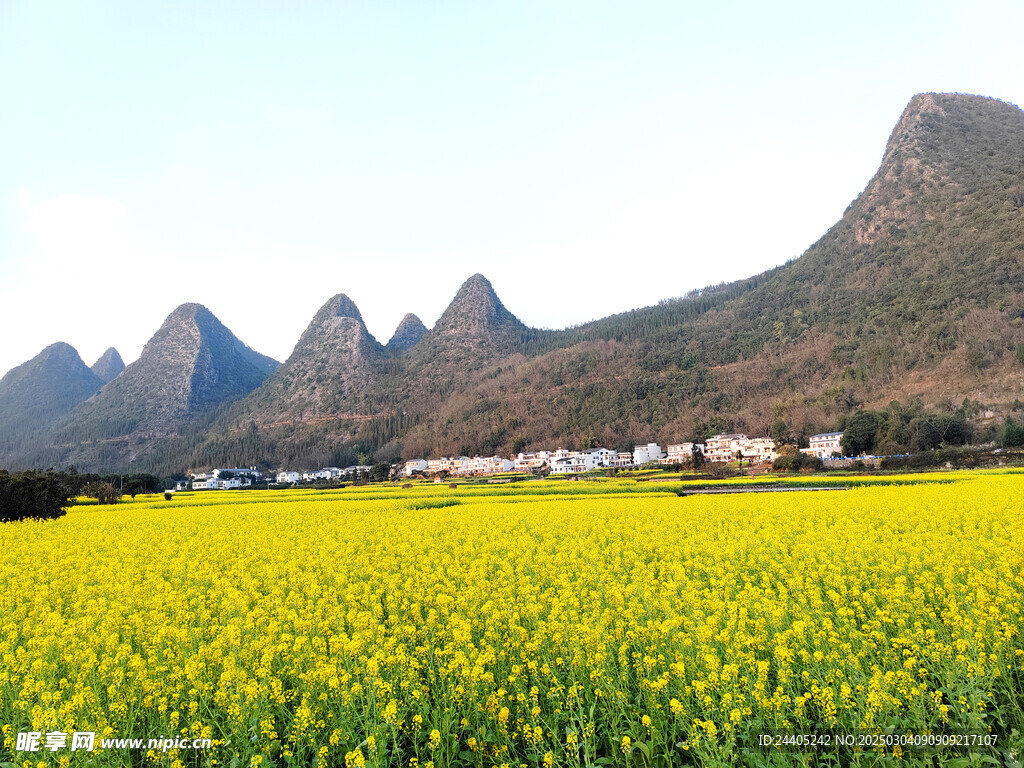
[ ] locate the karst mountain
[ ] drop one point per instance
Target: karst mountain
(916, 292)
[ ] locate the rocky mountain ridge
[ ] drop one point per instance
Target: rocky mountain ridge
(917, 292)
(190, 366)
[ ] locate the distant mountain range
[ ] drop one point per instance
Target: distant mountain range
(917, 292)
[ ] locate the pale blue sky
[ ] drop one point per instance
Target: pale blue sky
(586, 157)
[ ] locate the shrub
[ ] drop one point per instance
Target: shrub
(32, 495)
(797, 462)
(1014, 435)
(104, 493)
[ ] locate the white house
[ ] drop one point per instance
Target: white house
(595, 458)
(623, 459)
(568, 465)
(722, 448)
(453, 465)
(220, 484)
(489, 465)
(288, 477)
(759, 450)
(642, 454)
(437, 466)
(726, 448)
(530, 462)
(824, 445)
(679, 453)
(414, 465)
(250, 472)
(583, 461)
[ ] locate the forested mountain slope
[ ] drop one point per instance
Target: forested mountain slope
(192, 365)
(36, 394)
(916, 292)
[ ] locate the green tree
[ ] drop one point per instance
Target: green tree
(104, 493)
(860, 433)
(133, 487)
(380, 472)
(698, 458)
(1013, 436)
(32, 495)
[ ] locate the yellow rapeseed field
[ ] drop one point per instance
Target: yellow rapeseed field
(536, 624)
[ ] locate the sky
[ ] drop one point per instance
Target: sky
(587, 157)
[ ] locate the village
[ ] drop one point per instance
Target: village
(718, 449)
(723, 448)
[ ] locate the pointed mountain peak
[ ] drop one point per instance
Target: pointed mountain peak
(59, 350)
(37, 393)
(476, 287)
(336, 319)
(950, 133)
(331, 371)
(181, 331)
(57, 357)
(475, 309)
(475, 326)
(186, 324)
(189, 311)
(408, 333)
(945, 145)
(338, 306)
(191, 364)
(109, 365)
(478, 280)
(193, 339)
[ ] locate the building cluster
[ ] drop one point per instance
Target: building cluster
(716, 449)
(222, 479)
(327, 473)
(227, 478)
(726, 448)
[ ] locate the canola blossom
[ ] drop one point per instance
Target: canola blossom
(553, 624)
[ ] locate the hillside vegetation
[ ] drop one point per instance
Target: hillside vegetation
(913, 296)
(36, 394)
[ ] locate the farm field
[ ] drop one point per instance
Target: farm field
(546, 623)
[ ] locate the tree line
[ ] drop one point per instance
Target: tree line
(36, 495)
(32, 495)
